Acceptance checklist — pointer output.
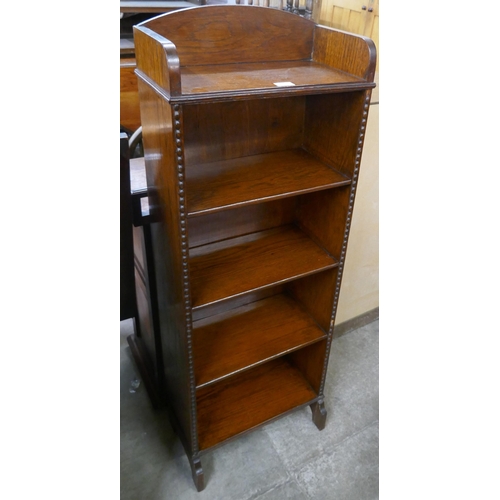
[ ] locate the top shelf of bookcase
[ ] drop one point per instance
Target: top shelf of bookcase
(216, 52)
(280, 78)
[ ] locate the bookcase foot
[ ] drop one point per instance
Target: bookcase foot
(319, 414)
(197, 471)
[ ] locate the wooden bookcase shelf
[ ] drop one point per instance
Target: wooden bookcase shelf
(253, 126)
(253, 179)
(246, 80)
(250, 335)
(269, 390)
(244, 264)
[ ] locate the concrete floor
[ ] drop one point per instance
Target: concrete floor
(286, 459)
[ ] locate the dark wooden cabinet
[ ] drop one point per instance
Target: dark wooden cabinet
(253, 127)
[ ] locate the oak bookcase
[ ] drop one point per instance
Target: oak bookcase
(253, 126)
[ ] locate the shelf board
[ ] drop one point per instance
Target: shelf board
(230, 183)
(239, 265)
(249, 335)
(248, 400)
(245, 79)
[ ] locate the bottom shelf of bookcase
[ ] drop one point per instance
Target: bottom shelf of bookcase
(233, 406)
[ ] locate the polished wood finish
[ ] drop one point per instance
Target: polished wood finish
(225, 130)
(249, 399)
(244, 337)
(253, 179)
(259, 77)
(240, 265)
(234, 302)
(251, 187)
(130, 114)
(238, 81)
(333, 125)
(239, 221)
(322, 216)
(280, 52)
(167, 259)
(236, 34)
(316, 294)
(310, 361)
(354, 55)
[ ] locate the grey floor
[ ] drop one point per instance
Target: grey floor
(286, 459)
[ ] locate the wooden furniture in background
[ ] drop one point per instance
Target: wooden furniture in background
(145, 344)
(135, 12)
(253, 127)
(130, 114)
(128, 307)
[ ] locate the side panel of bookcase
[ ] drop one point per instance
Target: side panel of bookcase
(342, 144)
(163, 157)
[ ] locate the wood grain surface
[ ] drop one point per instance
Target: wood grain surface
(225, 130)
(249, 335)
(130, 114)
(232, 267)
(249, 399)
(235, 34)
(239, 221)
(258, 76)
(252, 179)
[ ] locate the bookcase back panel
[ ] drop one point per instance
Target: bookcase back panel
(239, 34)
(315, 293)
(225, 130)
(218, 226)
(233, 303)
(321, 215)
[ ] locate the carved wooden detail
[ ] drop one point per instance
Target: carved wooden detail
(185, 272)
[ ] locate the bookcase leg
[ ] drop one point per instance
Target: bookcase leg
(197, 470)
(319, 414)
